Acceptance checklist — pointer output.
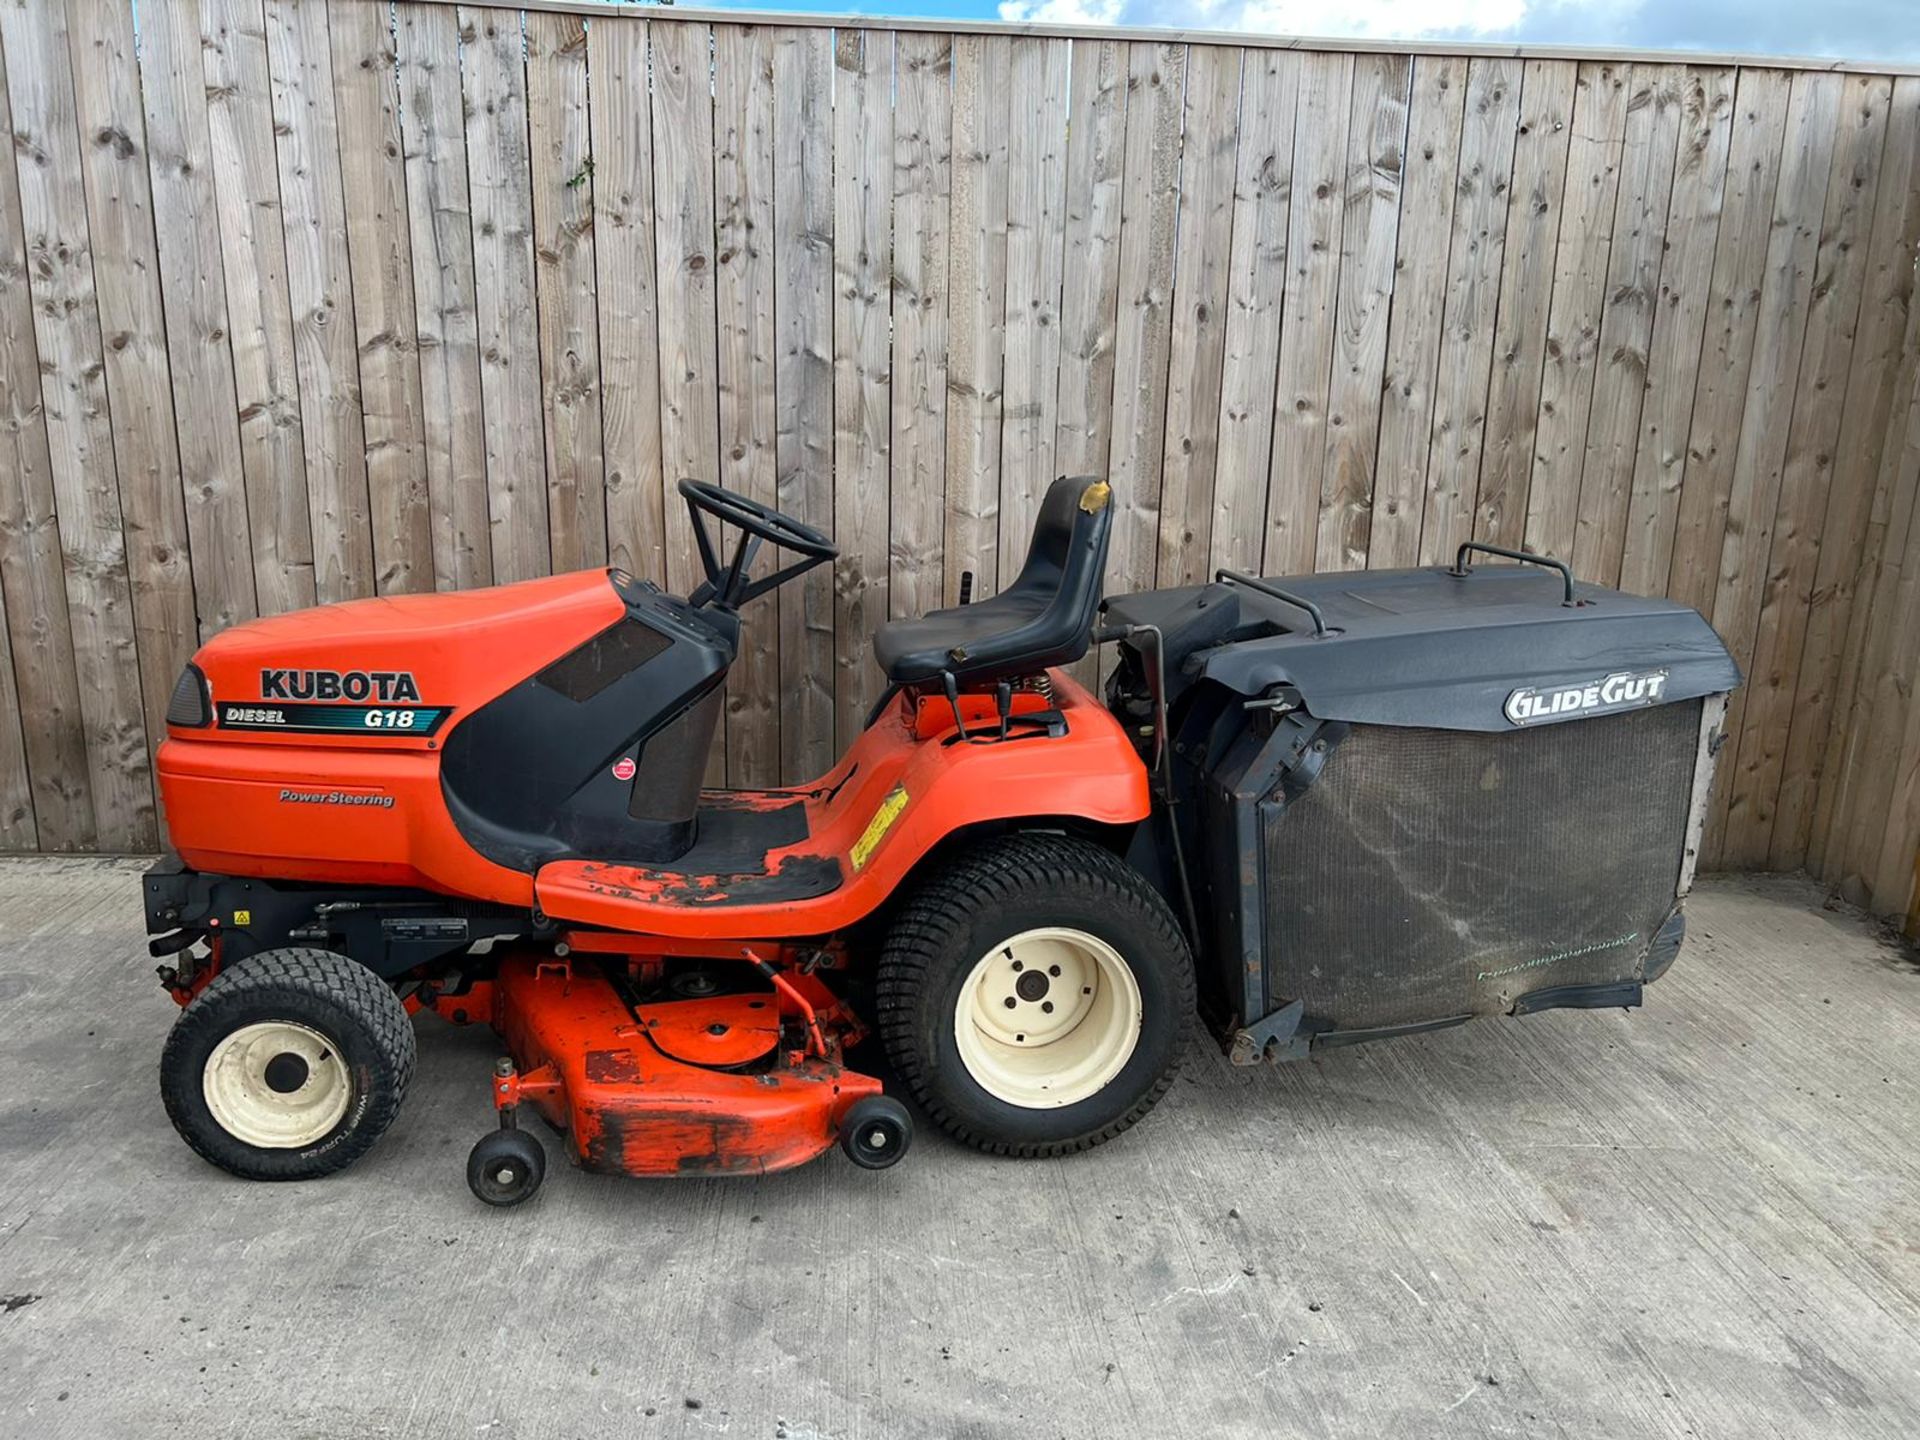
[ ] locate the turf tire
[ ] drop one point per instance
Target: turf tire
(346, 1003)
(987, 895)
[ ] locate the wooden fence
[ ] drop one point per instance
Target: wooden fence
(309, 299)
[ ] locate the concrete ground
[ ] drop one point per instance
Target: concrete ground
(1701, 1219)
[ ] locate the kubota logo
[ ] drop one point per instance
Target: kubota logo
(389, 687)
(1622, 690)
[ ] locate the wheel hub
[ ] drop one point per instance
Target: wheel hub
(277, 1085)
(286, 1073)
(1048, 1018)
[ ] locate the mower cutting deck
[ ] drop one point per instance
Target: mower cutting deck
(1360, 800)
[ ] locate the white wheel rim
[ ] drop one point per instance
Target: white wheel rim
(1072, 1025)
(276, 1085)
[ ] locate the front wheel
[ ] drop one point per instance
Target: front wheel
(288, 1066)
(1034, 996)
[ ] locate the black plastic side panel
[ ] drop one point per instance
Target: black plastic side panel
(537, 774)
(390, 931)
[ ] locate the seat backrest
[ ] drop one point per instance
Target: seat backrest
(1044, 618)
(1068, 556)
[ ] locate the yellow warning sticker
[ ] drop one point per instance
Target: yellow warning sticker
(243, 918)
(890, 810)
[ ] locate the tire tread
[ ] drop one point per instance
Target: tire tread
(936, 917)
(310, 973)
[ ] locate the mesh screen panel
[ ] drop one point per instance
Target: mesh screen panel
(613, 654)
(673, 763)
(1434, 873)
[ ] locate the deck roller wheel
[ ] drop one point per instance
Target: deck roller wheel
(876, 1132)
(1035, 994)
(506, 1167)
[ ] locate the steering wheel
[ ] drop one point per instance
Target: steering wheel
(727, 583)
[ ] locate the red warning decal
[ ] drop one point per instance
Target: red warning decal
(623, 768)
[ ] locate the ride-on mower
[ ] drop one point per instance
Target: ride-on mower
(1368, 803)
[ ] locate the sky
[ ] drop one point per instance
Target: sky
(1850, 29)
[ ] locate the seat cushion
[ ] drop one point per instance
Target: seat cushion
(1007, 632)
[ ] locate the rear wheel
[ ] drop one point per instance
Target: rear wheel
(1034, 996)
(288, 1066)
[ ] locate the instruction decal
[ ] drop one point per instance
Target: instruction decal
(889, 810)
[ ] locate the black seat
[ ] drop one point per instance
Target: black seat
(1044, 618)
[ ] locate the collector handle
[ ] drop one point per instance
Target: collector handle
(1461, 569)
(1286, 597)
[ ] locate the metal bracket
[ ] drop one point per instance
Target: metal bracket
(1273, 1039)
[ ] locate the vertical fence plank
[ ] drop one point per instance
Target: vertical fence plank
(743, 293)
(1149, 201)
(1786, 293)
(1634, 265)
(139, 384)
(922, 120)
(684, 250)
(1857, 790)
(1096, 153)
(52, 781)
(17, 828)
(1036, 204)
(1896, 878)
(499, 180)
(380, 261)
(47, 155)
(803, 382)
(1316, 210)
(440, 240)
(1600, 117)
(187, 223)
(1856, 797)
(1090, 279)
(1203, 255)
(253, 260)
(1890, 859)
(1719, 400)
(1475, 259)
(862, 381)
(1829, 662)
(976, 318)
(1813, 439)
(1432, 187)
(563, 241)
(621, 120)
(1534, 224)
(320, 287)
(1679, 328)
(1377, 139)
(1256, 295)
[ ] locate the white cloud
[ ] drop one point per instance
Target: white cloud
(1072, 12)
(1368, 19)
(1373, 19)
